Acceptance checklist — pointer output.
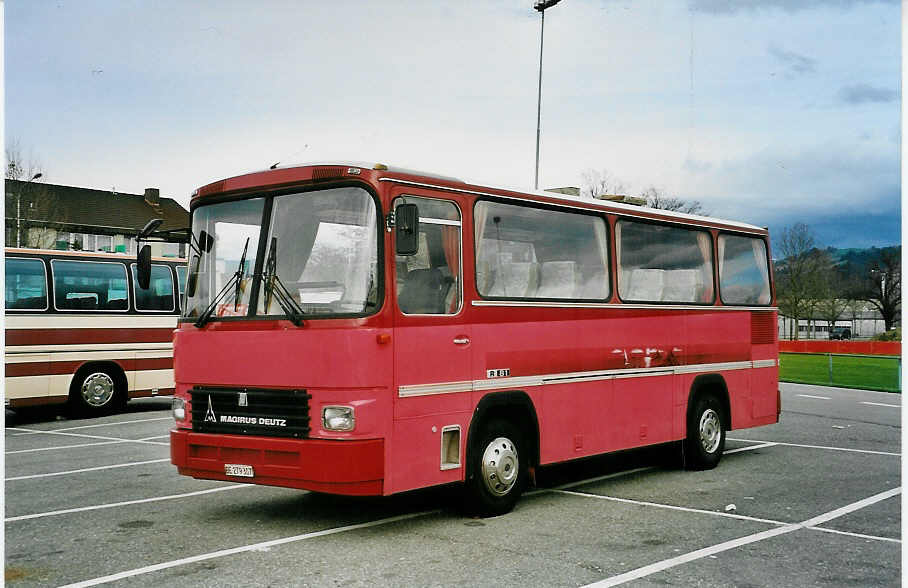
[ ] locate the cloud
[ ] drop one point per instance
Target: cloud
(865, 93)
(735, 6)
(795, 63)
(852, 194)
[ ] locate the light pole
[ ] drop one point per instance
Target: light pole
(18, 214)
(540, 5)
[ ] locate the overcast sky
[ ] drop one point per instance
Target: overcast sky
(767, 111)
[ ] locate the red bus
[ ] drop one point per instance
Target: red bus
(366, 330)
(80, 330)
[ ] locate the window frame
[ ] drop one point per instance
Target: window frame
(47, 290)
(769, 275)
(54, 284)
(439, 222)
(269, 195)
(610, 254)
(692, 228)
(134, 283)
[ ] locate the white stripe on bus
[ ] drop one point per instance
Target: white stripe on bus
(14, 350)
(70, 355)
(569, 377)
(57, 385)
(89, 321)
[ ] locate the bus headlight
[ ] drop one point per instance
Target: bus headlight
(178, 407)
(338, 418)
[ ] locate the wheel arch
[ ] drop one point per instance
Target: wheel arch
(515, 406)
(710, 384)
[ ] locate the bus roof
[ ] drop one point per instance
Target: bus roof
(382, 172)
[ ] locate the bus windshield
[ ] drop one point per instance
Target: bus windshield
(320, 256)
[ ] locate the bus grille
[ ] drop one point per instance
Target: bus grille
(250, 411)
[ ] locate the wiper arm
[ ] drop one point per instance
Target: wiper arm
(276, 289)
(203, 318)
(236, 280)
(239, 276)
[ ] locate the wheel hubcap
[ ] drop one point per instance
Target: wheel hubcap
(710, 430)
(97, 389)
(500, 466)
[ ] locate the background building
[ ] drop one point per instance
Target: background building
(48, 216)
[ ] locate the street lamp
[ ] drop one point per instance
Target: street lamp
(540, 5)
(18, 203)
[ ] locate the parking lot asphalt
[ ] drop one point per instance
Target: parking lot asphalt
(811, 501)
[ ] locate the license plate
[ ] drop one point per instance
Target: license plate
(243, 471)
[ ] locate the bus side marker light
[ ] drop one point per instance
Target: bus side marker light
(383, 338)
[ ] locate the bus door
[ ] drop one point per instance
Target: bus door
(431, 340)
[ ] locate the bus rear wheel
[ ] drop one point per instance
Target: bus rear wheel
(96, 392)
(705, 434)
(497, 470)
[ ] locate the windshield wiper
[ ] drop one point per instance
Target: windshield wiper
(276, 289)
(236, 280)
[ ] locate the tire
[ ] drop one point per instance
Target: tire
(496, 470)
(96, 392)
(705, 434)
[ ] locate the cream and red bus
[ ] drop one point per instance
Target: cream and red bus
(80, 330)
(366, 330)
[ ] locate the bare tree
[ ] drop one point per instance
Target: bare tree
(799, 274)
(833, 301)
(598, 182)
(656, 198)
(880, 285)
(30, 200)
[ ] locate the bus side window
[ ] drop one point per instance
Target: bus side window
(25, 284)
(89, 285)
(159, 294)
(429, 282)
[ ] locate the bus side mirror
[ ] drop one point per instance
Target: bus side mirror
(206, 241)
(143, 266)
(193, 279)
(406, 224)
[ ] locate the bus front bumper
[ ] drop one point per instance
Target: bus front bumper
(354, 467)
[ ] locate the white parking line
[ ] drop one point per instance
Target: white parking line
(95, 469)
(816, 397)
(881, 404)
(830, 448)
(110, 424)
(750, 447)
(746, 540)
(245, 548)
(52, 513)
(672, 507)
(59, 447)
(87, 436)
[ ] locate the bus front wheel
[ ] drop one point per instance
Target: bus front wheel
(705, 434)
(497, 470)
(96, 392)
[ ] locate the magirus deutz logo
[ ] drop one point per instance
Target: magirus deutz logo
(209, 414)
(242, 400)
